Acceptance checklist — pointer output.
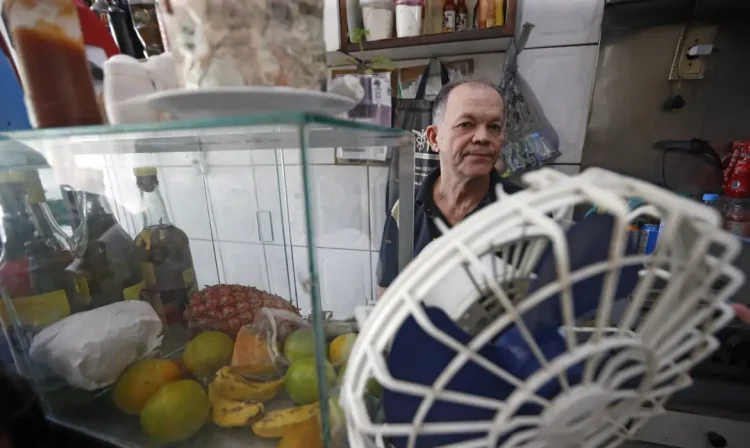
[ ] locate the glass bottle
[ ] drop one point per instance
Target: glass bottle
(16, 232)
(462, 16)
(449, 16)
(168, 264)
(486, 13)
(48, 39)
(107, 263)
(49, 250)
(35, 257)
(42, 217)
(146, 23)
(100, 8)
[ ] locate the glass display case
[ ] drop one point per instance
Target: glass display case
(194, 283)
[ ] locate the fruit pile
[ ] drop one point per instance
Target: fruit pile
(229, 381)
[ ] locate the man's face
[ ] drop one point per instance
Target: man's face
(470, 135)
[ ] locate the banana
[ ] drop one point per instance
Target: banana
(231, 385)
(232, 413)
(276, 423)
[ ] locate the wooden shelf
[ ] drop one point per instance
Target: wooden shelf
(434, 45)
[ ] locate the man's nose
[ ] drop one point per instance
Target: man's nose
(481, 135)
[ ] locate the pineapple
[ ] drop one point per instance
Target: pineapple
(229, 307)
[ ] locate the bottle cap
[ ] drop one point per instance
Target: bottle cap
(145, 171)
(710, 197)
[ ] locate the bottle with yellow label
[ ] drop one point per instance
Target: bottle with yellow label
(32, 267)
(168, 264)
(107, 263)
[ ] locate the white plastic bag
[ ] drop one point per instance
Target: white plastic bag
(91, 349)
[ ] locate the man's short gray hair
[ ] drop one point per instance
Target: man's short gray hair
(441, 100)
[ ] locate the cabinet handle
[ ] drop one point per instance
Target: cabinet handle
(264, 217)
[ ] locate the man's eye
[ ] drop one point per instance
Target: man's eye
(496, 127)
(465, 124)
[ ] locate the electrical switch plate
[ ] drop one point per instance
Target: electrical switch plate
(684, 68)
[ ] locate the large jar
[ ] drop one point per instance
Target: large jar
(52, 62)
(220, 43)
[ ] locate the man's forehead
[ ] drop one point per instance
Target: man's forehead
(474, 96)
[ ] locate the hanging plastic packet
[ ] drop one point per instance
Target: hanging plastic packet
(530, 140)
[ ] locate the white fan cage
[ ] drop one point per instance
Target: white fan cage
(665, 328)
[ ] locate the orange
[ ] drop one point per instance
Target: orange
(141, 381)
(338, 352)
(207, 353)
(176, 412)
(252, 356)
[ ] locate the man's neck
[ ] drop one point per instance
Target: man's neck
(457, 197)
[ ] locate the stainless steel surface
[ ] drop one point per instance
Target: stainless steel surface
(630, 88)
(406, 207)
(684, 430)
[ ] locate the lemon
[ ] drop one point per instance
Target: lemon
(340, 348)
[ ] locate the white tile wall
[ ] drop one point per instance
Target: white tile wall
(186, 199)
(345, 280)
(341, 201)
(243, 263)
(204, 262)
(234, 203)
(378, 178)
(246, 224)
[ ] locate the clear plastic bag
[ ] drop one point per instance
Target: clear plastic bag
(530, 140)
(259, 347)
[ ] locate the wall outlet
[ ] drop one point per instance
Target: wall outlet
(684, 68)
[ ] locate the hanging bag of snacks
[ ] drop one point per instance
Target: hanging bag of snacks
(530, 140)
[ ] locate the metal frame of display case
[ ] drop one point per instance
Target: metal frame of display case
(298, 130)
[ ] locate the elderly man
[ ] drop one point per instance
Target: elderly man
(467, 132)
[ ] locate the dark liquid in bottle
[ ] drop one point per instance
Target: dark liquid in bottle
(56, 79)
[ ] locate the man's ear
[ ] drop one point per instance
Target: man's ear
(431, 135)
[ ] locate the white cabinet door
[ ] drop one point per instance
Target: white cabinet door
(562, 80)
(562, 22)
(331, 25)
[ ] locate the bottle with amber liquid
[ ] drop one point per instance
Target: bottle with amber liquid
(168, 264)
(52, 62)
(107, 264)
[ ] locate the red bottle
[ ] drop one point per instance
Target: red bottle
(449, 16)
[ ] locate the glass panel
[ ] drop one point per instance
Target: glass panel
(263, 206)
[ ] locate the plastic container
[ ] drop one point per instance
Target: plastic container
(52, 61)
(377, 16)
(737, 218)
(409, 17)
